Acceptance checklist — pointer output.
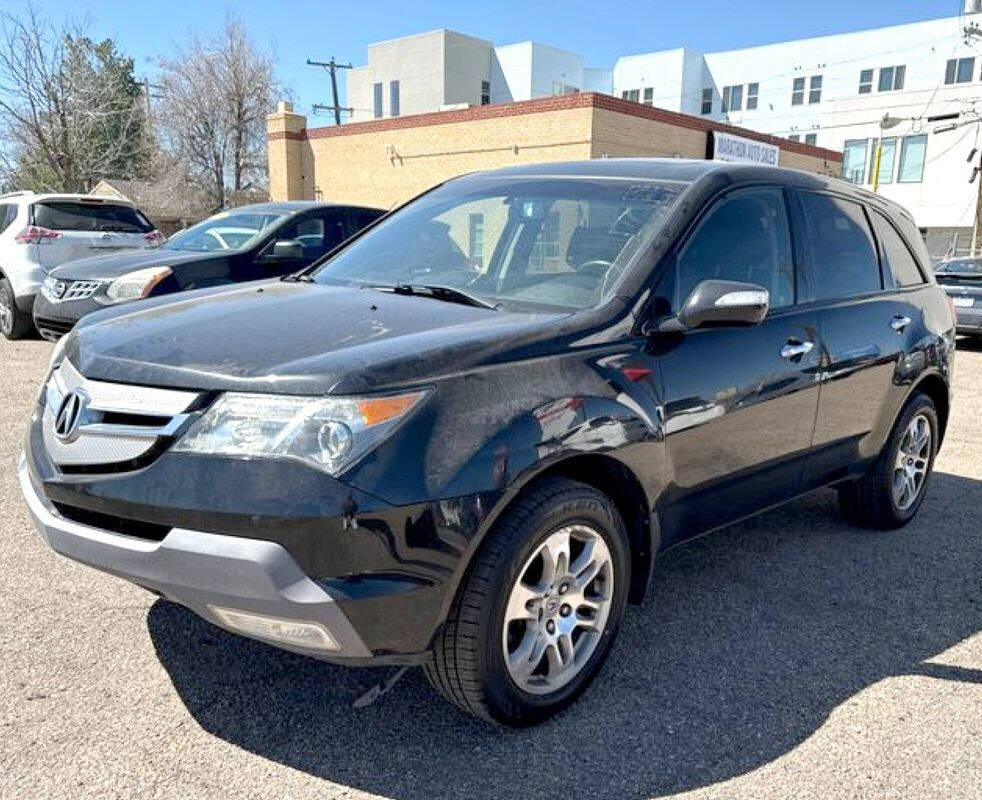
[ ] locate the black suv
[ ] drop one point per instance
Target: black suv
(244, 244)
(461, 440)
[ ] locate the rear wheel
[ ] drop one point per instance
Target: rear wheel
(533, 622)
(14, 323)
(892, 491)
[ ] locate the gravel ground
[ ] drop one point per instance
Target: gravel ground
(787, 657)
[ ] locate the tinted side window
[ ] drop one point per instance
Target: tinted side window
(5, 216)
(316, 235)
(361, 217)
(840, 246)
(897, 254)
(746, 238)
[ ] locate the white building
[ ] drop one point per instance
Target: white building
(444, 69)
(834, 91)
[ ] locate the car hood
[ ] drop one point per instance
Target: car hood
(296, 338)
(112, 265)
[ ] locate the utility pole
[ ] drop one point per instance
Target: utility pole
(332, 67)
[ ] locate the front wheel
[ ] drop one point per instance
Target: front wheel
(534, 620)
(892, 491)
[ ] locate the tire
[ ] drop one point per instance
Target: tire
(14, 323)
(468, 665)
(872, 501)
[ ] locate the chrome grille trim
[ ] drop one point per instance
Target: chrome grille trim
(81, 290)
(98, 442)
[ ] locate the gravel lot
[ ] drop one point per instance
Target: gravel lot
(788, 657)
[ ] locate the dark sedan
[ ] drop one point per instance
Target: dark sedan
(961, 278)
(249, 243)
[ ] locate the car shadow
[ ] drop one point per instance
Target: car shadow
(750, 638)
(971, 343)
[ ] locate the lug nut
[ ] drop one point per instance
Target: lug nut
(563, 588)
(565, 610)
(551, 626)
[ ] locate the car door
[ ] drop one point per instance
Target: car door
(739, 403)
(316, 233)
(865, 327)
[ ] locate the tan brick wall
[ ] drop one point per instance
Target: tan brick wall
(390, 166)
(386, 162)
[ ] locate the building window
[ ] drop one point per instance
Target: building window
(753, 90)
(485, 93)
(378, 100)
(811, 138)
(959, 70)
(475, 239)
(732, 98)
(912, 152)
(394, 98)
(887, 158)
(815, 89)
(866, 81)
(854, 160)
(649, 96)
(707, 101)
(794, 137)
(891, 78)
(798, 92)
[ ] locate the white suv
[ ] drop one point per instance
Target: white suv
(41, 231)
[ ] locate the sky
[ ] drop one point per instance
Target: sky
(601, 31)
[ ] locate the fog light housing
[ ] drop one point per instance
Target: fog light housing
(297, 633)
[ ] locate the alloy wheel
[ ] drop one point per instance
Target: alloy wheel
(913, 458)
(6, 311)
(557, 609)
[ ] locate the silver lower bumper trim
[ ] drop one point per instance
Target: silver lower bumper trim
(200, 570)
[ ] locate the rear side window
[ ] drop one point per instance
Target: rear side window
(746, 238)
(99, 217)
(6, 217)
(898, 257)
(840, 248)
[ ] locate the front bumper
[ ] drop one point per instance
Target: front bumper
(203, 571)
(969, 320)
(54, 320)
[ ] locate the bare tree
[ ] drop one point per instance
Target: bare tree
(216, 94)
(70, 109)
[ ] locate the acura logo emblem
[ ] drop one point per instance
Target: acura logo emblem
(69, 415)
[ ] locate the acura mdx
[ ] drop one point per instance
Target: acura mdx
(461, 440)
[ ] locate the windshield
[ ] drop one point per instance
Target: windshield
(225, 231)
(964, 265)
(545, 241)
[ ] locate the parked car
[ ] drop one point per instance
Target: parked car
(462, 439)
(40, 231)
(961, 278)
(265, 240)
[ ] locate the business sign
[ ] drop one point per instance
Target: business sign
(727, 147)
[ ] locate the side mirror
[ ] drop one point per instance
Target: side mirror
(715, 303)
(287, 250)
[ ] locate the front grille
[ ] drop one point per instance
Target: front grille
(108, 522)
(107, 427)
(81, 290)
(52, 329)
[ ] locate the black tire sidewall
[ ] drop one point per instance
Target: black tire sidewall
(920, 404)
(7, 298)
(506, 700)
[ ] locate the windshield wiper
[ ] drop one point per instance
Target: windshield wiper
(445, 293)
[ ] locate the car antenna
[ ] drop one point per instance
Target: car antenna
(379, 689)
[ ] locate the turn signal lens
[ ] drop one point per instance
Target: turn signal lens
(376, 410)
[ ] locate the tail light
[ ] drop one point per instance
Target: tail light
(33, 234)
(951, 305)
(155, 238)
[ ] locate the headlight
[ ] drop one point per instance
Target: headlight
(331, 433)
(135, 285)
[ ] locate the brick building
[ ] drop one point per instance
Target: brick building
(387, 161)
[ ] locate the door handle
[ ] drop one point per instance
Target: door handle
(899, 322)
(797, 349)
